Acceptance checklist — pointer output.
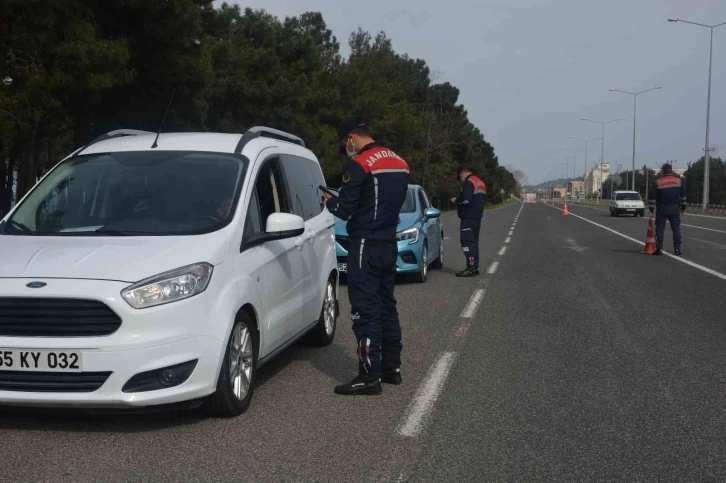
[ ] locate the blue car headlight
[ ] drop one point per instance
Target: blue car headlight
(408, 234)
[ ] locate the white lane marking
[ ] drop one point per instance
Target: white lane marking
(573, 244)
(682, 224)
(507, 240)
(446, 237)
(502, 251)
(510, 233)
(473, 305)
(427, 394)
(703, 228)
(493, 267)
(717, 245)
(640, 242)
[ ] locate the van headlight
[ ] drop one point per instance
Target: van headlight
(168, 287)
(408, 234)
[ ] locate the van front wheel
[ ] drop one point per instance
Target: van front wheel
(237, 375)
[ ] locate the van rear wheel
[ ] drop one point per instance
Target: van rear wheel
(324, 332)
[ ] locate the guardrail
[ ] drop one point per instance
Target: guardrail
(711, 209)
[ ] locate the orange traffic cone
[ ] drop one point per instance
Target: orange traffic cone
(565, 212)
(649, 247)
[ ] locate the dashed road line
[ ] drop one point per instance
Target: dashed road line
(640, 242)
(508, 239)
(502, 251)
(713, 244)
(493, 267)
(423, 402)
(473, 305)
(703, 228)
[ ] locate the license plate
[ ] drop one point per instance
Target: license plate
(40, 360)
(342, 267)
(630, 209)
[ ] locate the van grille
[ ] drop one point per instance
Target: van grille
(55, 317)
(52, 381)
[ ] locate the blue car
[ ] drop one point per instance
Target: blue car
(420, 237)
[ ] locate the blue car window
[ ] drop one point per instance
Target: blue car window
(409, 204)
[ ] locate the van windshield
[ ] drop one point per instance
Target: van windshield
(133, 193)
(627, 197)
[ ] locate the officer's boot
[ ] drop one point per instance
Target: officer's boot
(391, 375)
(360, 386)
(471, 270)
(364, 383)
(677, 252)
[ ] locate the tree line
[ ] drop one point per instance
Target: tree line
(71, 70)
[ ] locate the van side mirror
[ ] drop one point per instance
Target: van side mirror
(279, 227)
(432, 213)
(284, 225)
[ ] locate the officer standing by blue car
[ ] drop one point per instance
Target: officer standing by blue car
(667, 196)
(374, 189)
(470, 208)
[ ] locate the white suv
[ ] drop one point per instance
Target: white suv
(626, 202)
(138, 275)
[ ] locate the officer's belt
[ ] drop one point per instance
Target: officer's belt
(374, 241)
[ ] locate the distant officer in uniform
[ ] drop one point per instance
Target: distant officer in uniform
(470, 208)
(374, 189)
(667, 196)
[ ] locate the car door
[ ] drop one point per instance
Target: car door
(280, 262)
(430, 225)
(306, 201)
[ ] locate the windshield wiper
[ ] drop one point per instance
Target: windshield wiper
(112, 232)
(20, 227)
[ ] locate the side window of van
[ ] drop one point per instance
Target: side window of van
(269, 196)
(304, 193)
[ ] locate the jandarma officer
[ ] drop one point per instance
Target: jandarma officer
(374, 189)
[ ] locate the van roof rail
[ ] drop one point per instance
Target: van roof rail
(267, 132)
(113, 134)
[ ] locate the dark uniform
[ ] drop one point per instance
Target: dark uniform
(470, 208)
(375, 186)
(668, 197)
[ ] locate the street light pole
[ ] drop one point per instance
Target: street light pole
(707, 149)
(635, 104)
(574, 161)
(584, 177)
(602, 136)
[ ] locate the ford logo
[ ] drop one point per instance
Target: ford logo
(36, 285)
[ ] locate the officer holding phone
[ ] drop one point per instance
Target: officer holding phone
(374, 189)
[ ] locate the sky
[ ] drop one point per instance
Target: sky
(528, 70)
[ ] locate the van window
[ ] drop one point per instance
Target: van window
(304, 194)
(253, 220)
(271, 193)
(318, 180)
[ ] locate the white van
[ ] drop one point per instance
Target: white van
(137, 275)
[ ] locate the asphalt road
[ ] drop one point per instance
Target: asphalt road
(573, 357)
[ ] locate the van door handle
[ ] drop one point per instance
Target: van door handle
(299, 242)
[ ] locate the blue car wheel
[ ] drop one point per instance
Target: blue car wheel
(423, 271)
(439, 263)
